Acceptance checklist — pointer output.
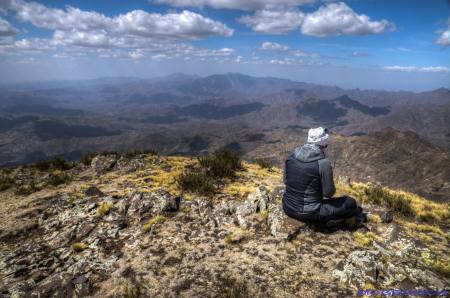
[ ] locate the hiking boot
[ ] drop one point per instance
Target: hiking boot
(334, 222)
(361, 217)
(350, 221)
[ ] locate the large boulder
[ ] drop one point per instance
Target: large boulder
(142, 205)
(256, 201)
(281, 226)
(103, 163)
(359, 269)
(163, 201)
(127, 165)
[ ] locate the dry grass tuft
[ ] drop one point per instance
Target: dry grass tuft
(405, 203)
(79, 247)
(104, 208)
(155, 220)
(365, 239)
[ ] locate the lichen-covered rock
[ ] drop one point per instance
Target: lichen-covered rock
(103, 163)
(93, 191)
(281, 226)
(139, 205)
(163, 201)
(359, 269)
(386, 216)
(256, 201)
(126, 165)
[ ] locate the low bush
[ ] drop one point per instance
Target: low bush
(58, 163)
(57, 178)
(87, 158)
(222, 164)
(196, 182)
(6, 182)
(264, 163)
(202, 179)
(25, 190)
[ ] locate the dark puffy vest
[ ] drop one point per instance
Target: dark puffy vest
(303, 193)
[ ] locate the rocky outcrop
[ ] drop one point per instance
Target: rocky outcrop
(126, 165)
(360, 268)
(103, 163)
(106, 237)
(257, 201)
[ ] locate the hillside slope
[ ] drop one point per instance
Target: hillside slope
(122, 227)
(396, 159)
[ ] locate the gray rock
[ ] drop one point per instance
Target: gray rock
(359, 268)
(126, 165)
(256, 201)
(386, 216)
(163, 201)
(281, 226)
(103, 163)
(93, 191)
(149, 204)
(277, 193)
(345, 180)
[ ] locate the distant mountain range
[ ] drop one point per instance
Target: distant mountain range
(259, 117)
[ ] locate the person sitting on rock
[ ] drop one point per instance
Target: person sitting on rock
(308, 177)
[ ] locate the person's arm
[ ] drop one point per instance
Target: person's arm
(326, 178)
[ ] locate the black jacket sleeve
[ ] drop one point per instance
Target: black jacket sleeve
(326, 178)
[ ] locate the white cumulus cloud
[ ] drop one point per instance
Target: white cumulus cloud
(444, 37)
(432, 69)
(235, 4)
(273, 46)
(273, 21)
(332, 19)
(183, 25)
(338, 19)
(6, 29)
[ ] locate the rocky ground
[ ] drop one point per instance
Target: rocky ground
(120, 227)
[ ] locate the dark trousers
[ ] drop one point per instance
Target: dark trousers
(334, 208)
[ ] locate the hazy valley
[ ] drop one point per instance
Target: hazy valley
(258, 117)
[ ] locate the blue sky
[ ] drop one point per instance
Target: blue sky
(354, 44)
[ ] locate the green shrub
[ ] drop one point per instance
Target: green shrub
(222, 164)
(58, 163)
(43, 165)
(26, 189)
(57, 178)
(87, 158)
(6, 182)
(197, 182)
(61, 164)
(264, 163)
